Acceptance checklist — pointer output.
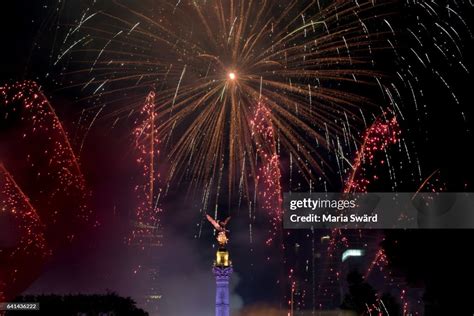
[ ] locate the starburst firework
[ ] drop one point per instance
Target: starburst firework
(212, 61)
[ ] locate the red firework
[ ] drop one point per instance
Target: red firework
(383, 133)
(42, 159)
(268, 185)
(50, 205)
(23, 256)
(147, 190)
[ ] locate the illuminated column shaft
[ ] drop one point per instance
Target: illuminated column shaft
(222, 275)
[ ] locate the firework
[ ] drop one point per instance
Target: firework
(268, 185)
(23, 259)
(42, 159)
(148, 192)
(212, 61)
(383, 133)
(373, 152)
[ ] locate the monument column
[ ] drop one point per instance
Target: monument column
(222, 268)
(222, 275)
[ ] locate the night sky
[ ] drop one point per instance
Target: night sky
(98, 260)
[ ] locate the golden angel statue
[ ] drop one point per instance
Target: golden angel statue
(220, 226)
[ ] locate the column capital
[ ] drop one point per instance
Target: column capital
(222, 272)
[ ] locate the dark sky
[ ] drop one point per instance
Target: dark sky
(98, 259)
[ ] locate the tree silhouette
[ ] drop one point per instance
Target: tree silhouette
(361, 294)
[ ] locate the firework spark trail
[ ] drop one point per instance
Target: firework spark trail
(84, 137)
(269, 189)
(68, 49)
(381, 134)
(31, 246)
(380, 260)
(268, 195)
(146, 143)
(435, 41)
(56, 163)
